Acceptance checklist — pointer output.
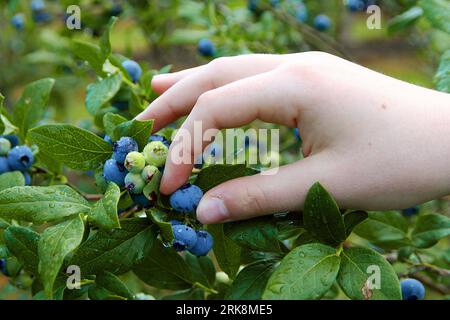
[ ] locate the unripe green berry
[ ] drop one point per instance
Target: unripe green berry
(134, 183)
(134, 162)
(155, 153)
(148, 172)
(5, 146)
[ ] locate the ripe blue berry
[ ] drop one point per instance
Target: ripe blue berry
(134, 183)
(301, 13)
(206, 48)
(41, 16)
(124, 146)
(409, 212)
(203, 245)
(20, 158)
(37, 5)
(4, 166)
(12, 138)
(355, 5)
(148, 173)
(5, 146)
(297, 134)
(18, 21)
(116, 10)
(133, 69)
(186, 198)
(134, 162)
(155, 153)
(155, 137)
(27, 178)
(141, 200)
(114, 172)
(108, 139)
(322, 22)
(185, 237)
(412, 289)
(3, 267)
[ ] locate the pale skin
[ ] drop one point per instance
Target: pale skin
(374, 142)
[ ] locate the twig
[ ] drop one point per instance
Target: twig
(429, 282)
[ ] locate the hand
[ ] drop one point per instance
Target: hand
(374, 142)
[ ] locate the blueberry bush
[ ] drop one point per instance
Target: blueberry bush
(85, 197)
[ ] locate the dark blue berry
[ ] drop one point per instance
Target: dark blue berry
(20, 158)
(186, 199)
(133, 69)
(206, 48)
(322, 22)
(185, 237)
(14, 139)
(124, 146)
(412, 289)
(4, 166)
(114, 172)
(203, 245)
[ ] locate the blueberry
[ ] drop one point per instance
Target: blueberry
(5, 146)
(322, 22)
(134, 162)
(412, 289)
(18, 21)
(141, 200)
(155, 137)
(206, 48)
(297, 134)
(301, 12)
(12, 138)
(176, 223)
(108, 139)
(116, 10)
(4, 166)
(409, 212)
(20, 158)
(27, 178)
(124, 146)
(203, 245)
(148, 172)
(184, 237)
(133, 69)
(155, 153)
(355, 5)
(186, 198)
(3, 267)
(37, 5)
(41, 16)
(134, 183)
(114, 172)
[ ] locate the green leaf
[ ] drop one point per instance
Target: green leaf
(358, 274)
(386, 229)
(438, 13)
(165, 228)
(54, 245)
(11, 179)
(352, 219)
(259, 234)
(113, 284)
(405, 19)
(105, 44)
(164, 268)
(322, 217)
(23, 244)
(101, 92)
(442, 77)
(104, 212)
(430, 229)
(9, 128)
(76, 148)
(227, 252)
(110, 122)
(251, 281)
(202, 268)
(90, 53)
(214, 175)
(41, 204)
(2, 125)
(30, 108)
(138, 130)
(307, 272)
(116, 250)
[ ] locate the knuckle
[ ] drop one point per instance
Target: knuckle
(205, 99)
(218, 64)
(252, 198)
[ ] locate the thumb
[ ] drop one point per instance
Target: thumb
(261, 194)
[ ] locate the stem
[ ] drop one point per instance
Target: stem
(210, 290)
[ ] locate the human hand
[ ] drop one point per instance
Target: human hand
(374, 142)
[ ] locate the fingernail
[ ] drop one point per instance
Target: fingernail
(212, 210)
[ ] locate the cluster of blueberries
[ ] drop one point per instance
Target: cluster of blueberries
(15, 157)
(40, 15)
(197, 242)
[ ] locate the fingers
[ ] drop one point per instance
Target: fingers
(257, 195)
(230, 106)
(183, 90)
(162, 82)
